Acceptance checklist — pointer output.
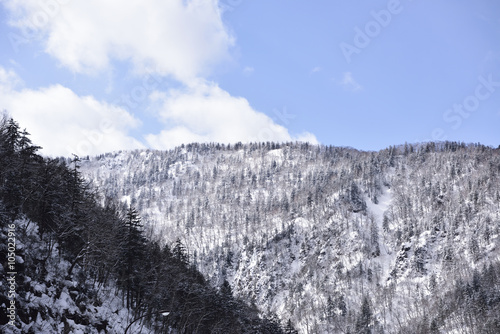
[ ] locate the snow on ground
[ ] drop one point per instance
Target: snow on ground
(386, 258)
(384, 201)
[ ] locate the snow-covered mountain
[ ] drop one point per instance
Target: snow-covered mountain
(336, 240)
(70, 264)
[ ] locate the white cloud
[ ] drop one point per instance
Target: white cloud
(181, 38)
(9, 80)
(203, 112)
(248, 70)
(184, 39)
(349, 83)
(64, 123)
(307, 137)
(316, 70)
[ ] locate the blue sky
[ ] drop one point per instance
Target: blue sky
(92, 76)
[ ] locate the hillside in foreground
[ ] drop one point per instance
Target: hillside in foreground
(74, 262)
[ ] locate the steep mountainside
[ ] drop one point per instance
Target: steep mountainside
(335, 240)
(71, 265)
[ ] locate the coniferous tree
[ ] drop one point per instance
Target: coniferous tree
(133, 245)
(374, 237)
(225, 289)
(289, 329)
(179, 252)
(364, 321)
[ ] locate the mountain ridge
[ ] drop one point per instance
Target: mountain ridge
(73, 262)
(317, 234)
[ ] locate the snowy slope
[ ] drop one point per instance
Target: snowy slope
(311, 232)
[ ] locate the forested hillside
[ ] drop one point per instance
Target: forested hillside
(331, 239)
(73, 261)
